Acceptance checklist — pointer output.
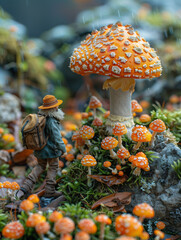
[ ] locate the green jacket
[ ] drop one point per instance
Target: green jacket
(55, 146)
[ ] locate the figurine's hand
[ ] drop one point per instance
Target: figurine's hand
(64, 155)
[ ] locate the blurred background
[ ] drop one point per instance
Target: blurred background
(37, 39)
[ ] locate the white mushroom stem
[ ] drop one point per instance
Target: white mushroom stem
(88, 178)
(88, 143)
(137, 146)
(152, 138)
(123, 161)
(137, 171)
(94, 112)
(120, 141)
(112, 154)
(102, 227)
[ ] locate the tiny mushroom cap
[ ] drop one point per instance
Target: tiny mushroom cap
(97, 122)
(85, 115)
(107, 164)
(65, 141)
(68, 147)
(145, 118)
(144, 236)
(109, 143)
(140, 162)
(70, 157)
(82, 236)
(118, 167)
(141, 134)
(75, 136)
(88, 161)
(94, 102)
(60, 164)
(86, 132)
(123, 153)
(121, 173)
(102, 218)
(26, 205)
(34, 219)
(7, 184)
(55, 216)
(135, 106)
(144, 210)
(125, 238)
(119, 129)
(90, 114)
(128, 225)
(1, 185)
(79, 156)
(64, 225)
(42, 227)
(159, 233)
(174, 99)
(88, 226)
(66, 236)
(144, 104)
(13, 230)
(157, 126)
(106, 114)
(15, 186)
(160, 225)
(33, 198)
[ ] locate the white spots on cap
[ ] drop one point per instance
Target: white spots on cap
(125, 49)
(116, 69)
(108, 43)
(127, 76)
(128, 54)
(133, 39)
(147, 72)
(138, 50)
(98, 45)
(90, 60)
(83, 59)
(146, 44)
(95, 56)
(138, 70)
(80, 63)
(102, 50)
(77, 69)
(103, 61)
(112, 54)
(84, 67)
(143, 58)
(107, 59)
(146, 50)
(90, 66)
(153, 54)
(111, 37)
(128, 69)
(114, 62)
(127, 43)
(120, 39)
(106, 67)
(98, 65)
(122, 59)
(113, 47)
(137, 60)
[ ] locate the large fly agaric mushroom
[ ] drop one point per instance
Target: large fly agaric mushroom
(122, 54)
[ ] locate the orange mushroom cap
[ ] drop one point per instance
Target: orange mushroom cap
(159, 233)
(102, 218)
(109, 143)
(119, 129)
(121, 173)
(125, 238)
(157, 126)
(106, 114)
(70, 157)
(64, 225)
(135, 106)
(144, 210)
(60, 164)
(66, 236)
(6, 184)
(34, 219)
(145, 118)
(141, 134)
(65, 141)
(75, 136)
(141, 154)
(79, 156)
(140, 162)
(55, 216)
(8, 138)
(26, 205)
(88, 226)
(1, 185)
(94, 102)
(68, 147)
(90, 114)
(85, 115)
(123, 153)
(174, 99)
(86, 132)
(132, 158)
(15, 186)
(144, 236)
(13, 230)
(82, 236)
(160, 225)
(128, 225)
(42, 227)
(1, 130)
(144, 104)
(97, 122)
(107, 164)
(116, 51)
(33, 198)
(77, 116)
(118, 167)
(88, 161)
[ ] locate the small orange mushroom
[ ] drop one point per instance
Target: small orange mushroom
(26, 205)
(66, 236)
(82, 236)
(123, 153)
(34, 219)
(94, 103)
(120, 173)
(15, 186)
(87, 133)
(7, 184)
(64, 226)
(104, 220)
(85, 115)
(97, 122)
(87, 225)
(138, 161)
(65, 141)
(143, 210)
(55, 216)
(8, 138)
(109, 143)
(88, 161)
(106, 114)
(68, 147)
(13, 230)
(136, 107)
(125, 238)
(42, 228)
(144, 118)
(33, 198)
(145, 104)
(156, 126)
(160, 225)
(159, 234)
(119, 130)
(79, 156)
(144, 236)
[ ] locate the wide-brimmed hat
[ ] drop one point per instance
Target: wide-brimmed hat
(50, 101)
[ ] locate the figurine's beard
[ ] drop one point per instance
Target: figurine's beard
(59, 115)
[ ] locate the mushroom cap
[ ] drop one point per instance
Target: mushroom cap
(159, 233)
(140, 162)
(141, 154)
(125, 238)
(1, 185)
(107, 164)
(102, 218)
(106, 114)
(33, 198)
(118, 167)
(144, 236)
(94, 102)
(15, 186)
(160, 225)
(144, 104)
(70, 157)
(42, 227)
(55, 216)
(65, 141)
(60, 164)
(157, 126)
(80, 142)
(66, 236)
(8, 138)
(121, 173)
(97, 122)
(174, 99)
(26, 205)
(79, 156)
(13, 230)
(77, 116)
(6, 184)
(116, 51)
(86, 132)
(145, 118)
(75, 136)
(109, 143)
(85, 115)
(34, 219)
(135, 106)
(82, 236)
(128, 225)
(88, 161)
(123, 153)
(144, 210)
(141, 134)
(90, 114)
(87, 225)
(64, 225)
(119, 129)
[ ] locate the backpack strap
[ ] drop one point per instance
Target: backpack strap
(24, 144)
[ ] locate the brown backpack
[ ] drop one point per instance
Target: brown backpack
(33, 131)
